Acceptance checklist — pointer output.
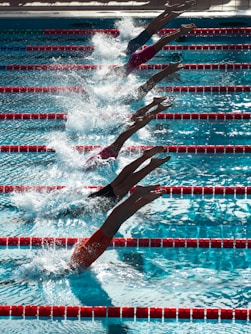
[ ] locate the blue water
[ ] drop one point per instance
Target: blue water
(122, 277)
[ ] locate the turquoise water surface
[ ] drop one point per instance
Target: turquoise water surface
(138, 277)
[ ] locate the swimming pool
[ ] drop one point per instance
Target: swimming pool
(181, 264)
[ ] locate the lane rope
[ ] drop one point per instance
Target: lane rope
(87, 67)
(115, 32)
(39, 89)
(95, 312)
(202, 149)
(92, 312)
(226, 243)
(169, 89)
(217, 116)
(232, 190)
(90, 48)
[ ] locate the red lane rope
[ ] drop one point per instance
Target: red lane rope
(204, 116)
(115, 32)
(170, 89)
(56, 67)
(37, 89)
(92, 312)
(130, 242)
(79, 67)
(195, 47)
(206, 66)
(204, 89)
(161, 116)
(191, 47)
(213, 31)
(27, 116)
(169, 190)
(205, 149)
(60, 48)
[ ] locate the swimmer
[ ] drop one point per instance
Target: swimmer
(140, 118)
(130, 175)
(124, 182)
(170, 12)
(88, 251)
(142, 56)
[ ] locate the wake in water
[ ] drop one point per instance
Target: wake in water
(68, 201)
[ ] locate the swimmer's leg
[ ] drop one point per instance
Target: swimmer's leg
(170, 13)
(159, 22)
(139, 123)
(156, 78)
(135, 177)
(162, 20)
(87, 251)
(153, 27)
(172, 36)
(139, 198)
(131, 168)
(161, 107)
(142, 111)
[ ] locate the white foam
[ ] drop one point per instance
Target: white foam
(107, 49)
(47, 264)
(127, 29)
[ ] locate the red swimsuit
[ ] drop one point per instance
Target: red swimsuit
(139, 57)
(88, 251)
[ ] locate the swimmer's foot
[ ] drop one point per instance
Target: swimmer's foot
(148, 194)
(141, 121)
(189, 4)
(163, 106)
(158, 100)
(170, 8)
(173, 67)
(143, 190)
(157, 162)
(175, 14)
(180, 7)
(152, 151)
(151, 196)
(185, 28)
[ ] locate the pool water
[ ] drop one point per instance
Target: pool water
(129, 276)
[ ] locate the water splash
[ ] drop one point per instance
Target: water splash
(128, 29)
(107, 49)
(47, 264)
